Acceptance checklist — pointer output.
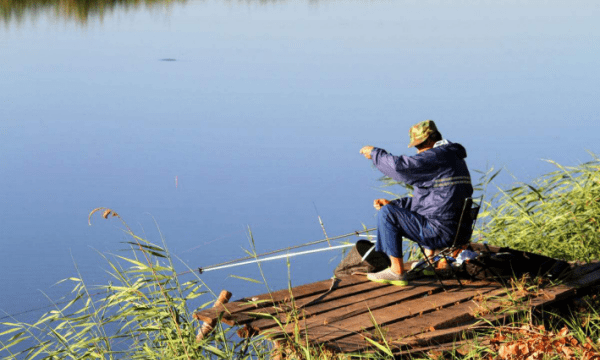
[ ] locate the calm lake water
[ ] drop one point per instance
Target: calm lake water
(258, 109)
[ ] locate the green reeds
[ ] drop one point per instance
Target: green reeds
(143, 313)
(556, 215)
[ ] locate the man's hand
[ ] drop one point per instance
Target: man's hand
(378, 203)
(366, 151)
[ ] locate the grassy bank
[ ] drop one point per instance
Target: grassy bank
(145, 312)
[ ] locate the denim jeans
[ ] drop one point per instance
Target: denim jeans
(395, 222)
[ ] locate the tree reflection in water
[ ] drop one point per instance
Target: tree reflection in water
(80, 10)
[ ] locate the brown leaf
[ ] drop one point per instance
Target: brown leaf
(559, 342)
(523, 349)
(539, 347)
(513, 349)
(567, 351)
(503, 352)
(499, 338)
(564, 331)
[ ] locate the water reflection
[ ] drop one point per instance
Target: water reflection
(80, 10)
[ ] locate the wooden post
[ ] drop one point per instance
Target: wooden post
(207, 327)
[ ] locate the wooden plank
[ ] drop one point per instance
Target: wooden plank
(362, 307)
(345, 307)
(414, 307)
(446, 317)
(468, 311)
(319, 301)
(258, 319)
(267, 299)
(390, 314)
(449, 324)
(441, 340)
(452, 334)
(449, 339)
(308, 307)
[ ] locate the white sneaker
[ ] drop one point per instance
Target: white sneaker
(387, 276)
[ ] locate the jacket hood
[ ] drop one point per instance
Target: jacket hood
(455, 148)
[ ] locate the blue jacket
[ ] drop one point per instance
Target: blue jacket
(440, 179)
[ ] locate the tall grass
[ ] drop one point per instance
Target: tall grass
(142, 313)
(556, 215)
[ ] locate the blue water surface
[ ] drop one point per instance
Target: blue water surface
(260, 119)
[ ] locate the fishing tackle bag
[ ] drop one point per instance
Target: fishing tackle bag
(353, 262)
(507, 263)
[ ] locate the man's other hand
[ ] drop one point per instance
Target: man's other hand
(366, 151)
(378, 203)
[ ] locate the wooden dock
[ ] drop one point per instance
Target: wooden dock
(351, 314)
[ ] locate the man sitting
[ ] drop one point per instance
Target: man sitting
(441, 182)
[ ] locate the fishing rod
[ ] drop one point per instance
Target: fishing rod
(214, 267)
(255, 258)
(233, 263)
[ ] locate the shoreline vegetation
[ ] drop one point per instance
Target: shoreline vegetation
(145, 312)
